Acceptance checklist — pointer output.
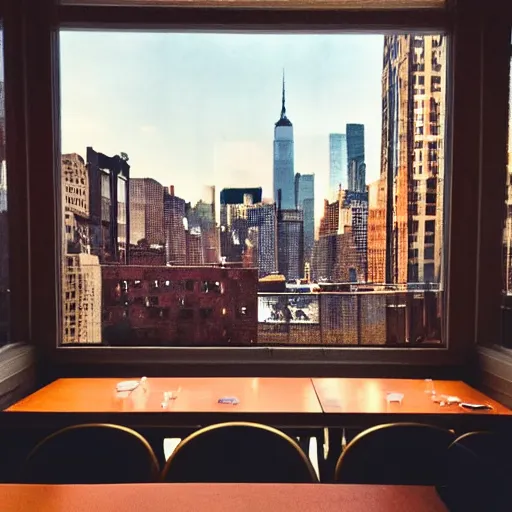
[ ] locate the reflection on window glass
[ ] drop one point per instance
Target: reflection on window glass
(4, 241)
(507, 236)
(252, 189)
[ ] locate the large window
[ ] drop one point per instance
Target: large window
(507, 234)
(252, 189)
(4, 238)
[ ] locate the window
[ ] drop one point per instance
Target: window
(4, 228)
(436, 84)
(196, 165)
(507, 233)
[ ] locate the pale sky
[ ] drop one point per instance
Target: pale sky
(198, 109)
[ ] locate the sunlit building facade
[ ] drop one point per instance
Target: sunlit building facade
(81, 299)
(412, 163)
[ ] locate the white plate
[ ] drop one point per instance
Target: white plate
(127, 385)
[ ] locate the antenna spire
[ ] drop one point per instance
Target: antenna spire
(283, 107)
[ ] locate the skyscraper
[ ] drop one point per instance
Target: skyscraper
(76, 201)
(412, 167)
(234, 224)
(283, 159)
(340, 251)
(305, 201)
(174, 225)
(290, 243)
(109, 206)
(81, 275)
(81, 299)
(146, 211)
(338, 164)
(262, 237)
(377, 232)
(355, 157)
(201, 221)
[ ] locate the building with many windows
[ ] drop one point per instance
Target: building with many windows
(340, 251)
(376, 232)
(81, 299)
(175, 228)
(262, 238)
(412, 164)
(305, 201)
(202, 223)
(146, 211)
(234, 223)
(109, 179)
(356, 170)
(290, 243)
(179, 306)
(76, 200)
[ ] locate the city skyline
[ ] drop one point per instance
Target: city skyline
(213, 136)
(162, 257)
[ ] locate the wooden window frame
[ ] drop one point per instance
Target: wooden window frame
(461, 19)
(494, 362)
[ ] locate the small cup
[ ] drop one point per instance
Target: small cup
(429, 387)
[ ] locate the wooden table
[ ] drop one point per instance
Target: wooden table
(283, 401)
(300, 406)
(363, 403)
(218, 498)
(287, 403)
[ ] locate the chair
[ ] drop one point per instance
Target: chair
(395, 454)
(478, 468)
(239, 452)
(89, 454)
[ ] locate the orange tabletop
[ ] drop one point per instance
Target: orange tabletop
(218, 498)
(194, 395)
(369, 397)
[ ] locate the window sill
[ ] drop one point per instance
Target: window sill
(496, 360)
(17, 372)
(263, 361)
(495, 372)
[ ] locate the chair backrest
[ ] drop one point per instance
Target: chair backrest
(478, 470)
(91, 453)
(239, 452)
(395, 454)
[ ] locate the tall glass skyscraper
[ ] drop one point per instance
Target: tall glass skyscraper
(355, 156)
(283, 160)
(305, 201)
(338, 163)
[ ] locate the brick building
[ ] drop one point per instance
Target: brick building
(179, 306)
